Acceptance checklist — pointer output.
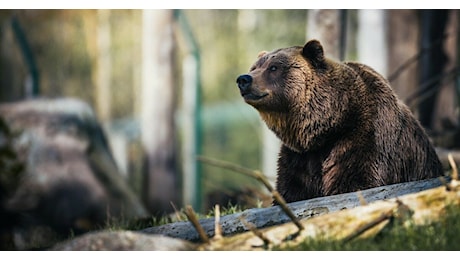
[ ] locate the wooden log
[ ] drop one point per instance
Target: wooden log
(364, 221)
(266, 217)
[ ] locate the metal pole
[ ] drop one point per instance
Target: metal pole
(192, 184)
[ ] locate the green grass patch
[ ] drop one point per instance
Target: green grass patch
(441, 235)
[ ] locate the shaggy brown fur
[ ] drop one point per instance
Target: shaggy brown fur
(342, 127)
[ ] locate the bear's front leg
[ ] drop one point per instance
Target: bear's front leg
(299, 175)
(345, 171)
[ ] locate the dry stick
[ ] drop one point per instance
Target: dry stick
(282, 203)
(192, 218)
(258, 176)
(230, 166)
(454, 183)
(416, 57)
(400, 211)
(375, 222)
(217, 226)
(175, 210)
(361, 198)
(424, 91)
(254, 230)
(454, 166)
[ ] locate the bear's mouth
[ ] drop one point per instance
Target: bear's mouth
(253, 96)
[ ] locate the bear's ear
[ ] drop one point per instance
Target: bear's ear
(313, 51)
(262, 53)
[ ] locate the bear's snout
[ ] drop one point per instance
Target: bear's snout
(244, 82)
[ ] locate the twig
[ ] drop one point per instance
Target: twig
(258, 176)
(425, 90)
(375, 222)
(230, 166)
(454, 166)
(217, 226)
(454, 183)
(286, 209)
(361, 199)
(190, 213)
(416, 57)
(178, 216)
(256, 232)
(401, 212)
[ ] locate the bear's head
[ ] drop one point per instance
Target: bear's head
(298, 92)
(265, 86)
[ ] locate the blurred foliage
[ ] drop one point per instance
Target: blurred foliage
(65, 46)
(231, 39)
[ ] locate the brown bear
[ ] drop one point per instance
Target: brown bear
(342, 127)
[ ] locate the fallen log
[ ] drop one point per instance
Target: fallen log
(413, 209)
(266, 217)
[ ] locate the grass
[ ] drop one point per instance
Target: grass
(442, 235)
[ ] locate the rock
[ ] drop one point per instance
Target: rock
(67, 178)
(123, 240)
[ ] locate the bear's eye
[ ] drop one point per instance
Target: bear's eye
(273, 68)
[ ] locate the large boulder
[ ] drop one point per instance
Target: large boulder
(58, 174)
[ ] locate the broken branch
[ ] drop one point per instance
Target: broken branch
(190, 213)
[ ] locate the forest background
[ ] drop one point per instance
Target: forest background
(98, 56)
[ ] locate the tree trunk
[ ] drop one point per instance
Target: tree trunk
(104, 65)
(445, 116)
(372, 47)
(325, 26)
(157, 124)
(403, 35)
(432, 62)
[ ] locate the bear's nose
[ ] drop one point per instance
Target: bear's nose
(244, 82)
